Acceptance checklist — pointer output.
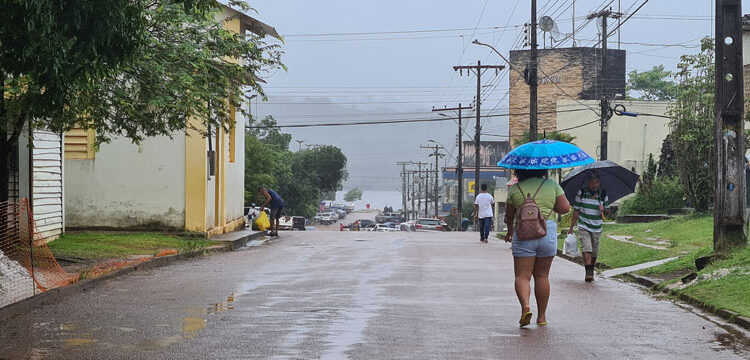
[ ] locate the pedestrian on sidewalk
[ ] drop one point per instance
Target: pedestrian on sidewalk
(591, 204)
(534, 257)
(276, 204)
(483, 204)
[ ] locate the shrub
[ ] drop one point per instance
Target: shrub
(663, 194)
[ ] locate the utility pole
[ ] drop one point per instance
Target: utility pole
(436, 153)
(427, 191)
(532, 80)
(419, 180)
(413, 181)
(403, 183)
(477, 70)
(729, 196)
(603, 85)
(459, 161)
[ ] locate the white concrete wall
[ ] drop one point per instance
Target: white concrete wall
(128, 186)
(236, 175)
(631, 139)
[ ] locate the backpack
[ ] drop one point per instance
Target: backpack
(530, 223)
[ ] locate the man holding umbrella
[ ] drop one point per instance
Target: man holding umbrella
(590, 205)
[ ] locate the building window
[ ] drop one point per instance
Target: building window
(79, 144)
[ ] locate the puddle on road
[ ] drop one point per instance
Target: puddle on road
(78, 342)
(192, 325)
(68, 327)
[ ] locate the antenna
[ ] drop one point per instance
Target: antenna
(546, 23)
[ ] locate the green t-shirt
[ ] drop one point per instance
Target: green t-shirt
(545, 199)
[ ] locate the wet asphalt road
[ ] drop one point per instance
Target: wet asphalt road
(335, 295)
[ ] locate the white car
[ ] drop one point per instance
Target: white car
(383, 228)
(427, 224)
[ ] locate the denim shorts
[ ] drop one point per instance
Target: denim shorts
(543, 247)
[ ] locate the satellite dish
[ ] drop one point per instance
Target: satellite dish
(546, 23)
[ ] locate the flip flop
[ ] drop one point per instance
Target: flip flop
(525, 319)
(544, 323)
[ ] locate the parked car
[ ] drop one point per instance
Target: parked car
(349, 208)
(385, 228)
(326, 219)
(363, 223)
(408, 226)
(292, 223)
(426, 224)
(387, 217)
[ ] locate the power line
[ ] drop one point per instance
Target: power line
(400, 31)
(396, 121)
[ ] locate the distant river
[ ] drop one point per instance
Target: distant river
(377, 199)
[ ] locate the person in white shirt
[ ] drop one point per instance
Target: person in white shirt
(483, 204)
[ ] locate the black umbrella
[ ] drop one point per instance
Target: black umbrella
(615, 179)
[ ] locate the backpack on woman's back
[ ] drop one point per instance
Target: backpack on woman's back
(530, 223)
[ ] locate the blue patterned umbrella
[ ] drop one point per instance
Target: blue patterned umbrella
(545, 154)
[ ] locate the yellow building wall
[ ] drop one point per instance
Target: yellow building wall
(196, 177)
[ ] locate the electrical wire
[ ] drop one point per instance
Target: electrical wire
(394, 121)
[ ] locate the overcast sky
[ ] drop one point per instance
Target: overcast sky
(399, 65)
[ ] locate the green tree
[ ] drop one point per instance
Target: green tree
(654, 84)
(667, 160)
(49, 51)
(132, 68)
(324, 165)
(692, 125)
(269, 133)
(559, 136)
(190, 68)
(649, 175)
(353, 195)
(301, 178)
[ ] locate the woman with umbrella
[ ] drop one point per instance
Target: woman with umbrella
(535, 193)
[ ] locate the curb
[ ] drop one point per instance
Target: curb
(727, 315)
(56, 294)
(579, 260)
(241, 242)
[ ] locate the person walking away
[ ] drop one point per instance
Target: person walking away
(483, 204)
(590, 205)
(533, 257)
(276, 204)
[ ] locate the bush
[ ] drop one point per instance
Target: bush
(663, 194)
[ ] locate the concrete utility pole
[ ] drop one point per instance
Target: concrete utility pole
(419, 180)
(532, 79)
(460, 159)
(729, 196)
(403, 183)
(436, 153)
(413, 183)
(603, 85)
(427, 191)
(477, 70)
